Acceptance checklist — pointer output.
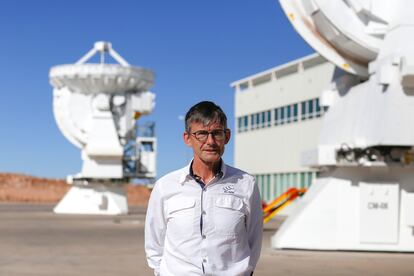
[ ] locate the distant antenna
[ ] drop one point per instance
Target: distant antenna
(96, 107)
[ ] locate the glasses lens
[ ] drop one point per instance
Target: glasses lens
(201, 135)
(218, 134)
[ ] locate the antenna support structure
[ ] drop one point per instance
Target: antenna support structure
(363, 197)
(96, 107)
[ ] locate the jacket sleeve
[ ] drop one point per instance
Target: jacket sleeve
(255, 226)
(155, 226)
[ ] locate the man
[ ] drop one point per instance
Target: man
(206, 218)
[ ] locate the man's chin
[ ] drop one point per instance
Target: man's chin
(211, 157)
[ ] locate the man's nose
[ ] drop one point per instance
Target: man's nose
(210, 139)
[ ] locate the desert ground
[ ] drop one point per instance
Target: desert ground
(30, 189)
(35, 241)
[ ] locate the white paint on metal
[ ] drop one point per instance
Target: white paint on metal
(379, 203)
(93, 199)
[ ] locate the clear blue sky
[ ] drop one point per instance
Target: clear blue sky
(196, 48)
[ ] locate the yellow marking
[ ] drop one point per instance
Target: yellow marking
(275, 202)
(291, 16)
(275, 212)
(290, 195)
(345, 66)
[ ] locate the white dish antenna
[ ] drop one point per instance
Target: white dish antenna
(363, 194)
(347, 33)
(96, 106)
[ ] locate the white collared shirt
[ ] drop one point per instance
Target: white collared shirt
(215, 230)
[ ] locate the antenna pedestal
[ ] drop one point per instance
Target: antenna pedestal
(364, 209)
(93, 199)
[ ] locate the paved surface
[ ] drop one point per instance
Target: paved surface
(34, 241)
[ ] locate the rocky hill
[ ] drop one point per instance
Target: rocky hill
(25, 188)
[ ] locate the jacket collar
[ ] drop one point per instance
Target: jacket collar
(187, 172)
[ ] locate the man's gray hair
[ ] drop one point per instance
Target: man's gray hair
(205, 112)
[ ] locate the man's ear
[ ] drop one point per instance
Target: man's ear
(228, 135)
(187, 139)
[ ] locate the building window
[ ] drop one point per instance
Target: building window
(303, 111)
(282, 115)
(260, 120)
(318, 108)
(310, 109)
(269, 118)
(264, 119)
(243, 124)
(295, 112)
(288, 114)
(277, 116)
(273, 185)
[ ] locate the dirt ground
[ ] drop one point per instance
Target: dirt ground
(30, 189)
(35, 241)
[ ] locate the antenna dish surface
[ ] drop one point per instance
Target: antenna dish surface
(349, 33)
(101, 78)
(92, 78)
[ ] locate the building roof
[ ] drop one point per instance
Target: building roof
(279, 71)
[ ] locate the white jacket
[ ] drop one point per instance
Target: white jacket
(215, 230)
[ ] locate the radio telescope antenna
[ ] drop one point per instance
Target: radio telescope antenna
(96, 106)
(364, 195)
(102, 47)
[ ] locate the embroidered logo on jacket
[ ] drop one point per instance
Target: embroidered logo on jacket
(229, 189)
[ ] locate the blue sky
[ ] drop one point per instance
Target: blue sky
(196, 48)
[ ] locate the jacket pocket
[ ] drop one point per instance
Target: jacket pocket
(181, 219)
(229, 218)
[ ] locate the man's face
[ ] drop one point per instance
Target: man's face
(210, 150)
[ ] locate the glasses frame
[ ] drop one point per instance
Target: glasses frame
(225, 130)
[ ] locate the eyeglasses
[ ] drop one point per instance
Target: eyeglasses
(218, 134)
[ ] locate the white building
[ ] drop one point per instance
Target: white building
(277, 117)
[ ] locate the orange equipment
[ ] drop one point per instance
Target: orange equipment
(270, 210)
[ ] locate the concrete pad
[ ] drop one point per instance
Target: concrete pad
(34, 241)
